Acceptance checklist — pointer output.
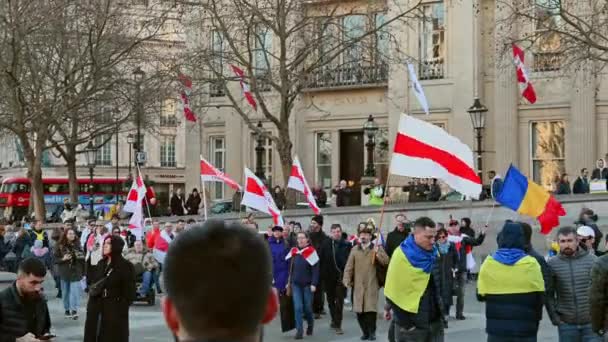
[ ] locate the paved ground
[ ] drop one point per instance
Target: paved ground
(147, 325)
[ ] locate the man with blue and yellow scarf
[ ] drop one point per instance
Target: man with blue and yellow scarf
(412, 287)
(511, 283)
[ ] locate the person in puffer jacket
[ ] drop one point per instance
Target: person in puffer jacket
(511, 284)
(280, 267)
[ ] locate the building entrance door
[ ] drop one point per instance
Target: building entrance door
(351, 162)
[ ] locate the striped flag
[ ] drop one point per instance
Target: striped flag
(298, 182)
(527, 90)
(210, 174)
(258, 197)
(308, 253)
(185, 97)
(240, 74)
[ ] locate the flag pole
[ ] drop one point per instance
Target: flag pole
(388, 178)
(204, 199)
(145, 196)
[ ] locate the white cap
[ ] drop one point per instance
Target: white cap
(585, 231)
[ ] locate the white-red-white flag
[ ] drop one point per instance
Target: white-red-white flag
(527, 90)
(136, 223)
(185, 97)
(424, 150)
(161, 246)
(258, 197)
(210, 174)
(136, 195)
(308, 253)
(244, 86)
(297, 181)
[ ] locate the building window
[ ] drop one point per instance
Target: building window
(547, 143)
(432, 42)
(382, 38)
(103, 157)
(547, 55)
(354, 29)
(381, 153)
(263, 50)
(167, 151)
(266, 159)
(217, 49)
(217, 151)
(323, 160)
(167, 113)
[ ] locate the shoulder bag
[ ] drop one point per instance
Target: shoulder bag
(288, 288)
(96, 289)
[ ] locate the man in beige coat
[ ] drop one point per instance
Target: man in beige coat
(360, 275)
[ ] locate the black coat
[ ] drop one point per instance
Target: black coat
(335, 255)
(177, 205)
(581, 186)
(45, 238)
(447, 262)
(321, 197)
(192, 204)
(13, 318)
(343, 196)
(111, 310)
(394, 239)
(462, 253)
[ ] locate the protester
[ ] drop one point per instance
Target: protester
(195, 307)
(448, 262)
(289, 236)
(495, 184)
(114, 223)
(280, 267)
(177, 203)
(581, 184)
(194, 202)
(568, 305)
(90, 227)
(38, 233)
(163, 240)
(335, 253)
(153, 234)
(317, 239)
(600, 172)
(94, 250)
(304, 282)
(24, 314)
(544, 267)
(511, 284)
(360, 275)
(598, 296)
(413, 289)
(278, 195)
(563, 187)
(115, 210)
(586, 238)
(250, 221)
(398, 235)
(464, 248)
(320, 196)
(69, 258)
(343, 194)
(588, 218)
(434, 194)
(144, 267)
(5, 247)
(22, 246)
(375, 192)
(110, 296)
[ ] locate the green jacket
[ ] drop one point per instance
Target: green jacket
(599, 294)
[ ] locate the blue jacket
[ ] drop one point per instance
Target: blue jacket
(496, 187)
(280, 266)
(303, 274)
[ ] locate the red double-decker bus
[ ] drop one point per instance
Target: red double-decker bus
(15, 194)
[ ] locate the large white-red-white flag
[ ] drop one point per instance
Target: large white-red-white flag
(185, 97)
(244, 86)
(211, 174)
(424, 150)
(297, 181)
(258, 197)
(161, 246)
(136, 195)
(136, 223)
(308, 253)
(527, 90)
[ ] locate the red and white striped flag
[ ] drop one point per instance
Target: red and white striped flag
(244, 86)
(185, 97)
(258, 197)
(308, 253)
(210, 174)
(527, 90)
(297, 181)
(136, 195)
(353, 239)
(161, 246)
(423, 150)
(136, 223)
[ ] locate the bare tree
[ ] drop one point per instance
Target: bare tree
(287, 46)
(59, 60)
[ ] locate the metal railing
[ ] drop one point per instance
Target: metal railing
(168, 121)
(432, 70)
(547, 61)
(349, 76)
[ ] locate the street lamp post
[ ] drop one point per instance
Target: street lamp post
(478, 118)
(90, 152)
(130, 141)
(138, 76)
(370, 128)
(259, 153)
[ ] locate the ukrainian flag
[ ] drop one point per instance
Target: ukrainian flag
(524, 276)
(405, 284)
(528, 198)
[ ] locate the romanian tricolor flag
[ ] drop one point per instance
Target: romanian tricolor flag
(531, 199)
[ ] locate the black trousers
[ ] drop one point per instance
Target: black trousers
(367, 322)
(318, 301)
(335, 300)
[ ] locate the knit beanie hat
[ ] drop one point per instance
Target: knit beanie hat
(318, 219)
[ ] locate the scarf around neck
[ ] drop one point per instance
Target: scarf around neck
(509, 256)
(417, 256)
(443, 247)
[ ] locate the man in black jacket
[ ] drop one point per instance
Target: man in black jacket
(400, 233)
(335, 253)
(317, 238)
(24, 315)
(581, 184)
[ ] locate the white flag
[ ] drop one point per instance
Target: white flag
(418, 89)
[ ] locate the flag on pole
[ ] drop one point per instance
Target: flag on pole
(240, 74)
(309, 254)
(527, 90)
(136, 223)
(136, 195)
(297, 181)
(185, 97)
(258, 197)
(161, 246)
(417, 87)
(210, 174)
(424, 150)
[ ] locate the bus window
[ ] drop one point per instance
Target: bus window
(13, 188)
(105, 188)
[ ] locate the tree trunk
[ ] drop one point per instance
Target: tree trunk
(70, 160)
(34, 172)
(284, 146)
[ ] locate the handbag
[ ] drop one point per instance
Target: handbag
(96, 289)
(288, 287)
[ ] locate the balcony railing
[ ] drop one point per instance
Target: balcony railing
(168, 121)
(547, 61)
(432, 70)
(349, 76)
(216, 89)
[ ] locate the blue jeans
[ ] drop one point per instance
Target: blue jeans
(71, 291)
(302, 304)
(495, 338)
(146, 281)
(156, 277)
(577, 333)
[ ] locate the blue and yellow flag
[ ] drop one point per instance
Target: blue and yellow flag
(522, 277)
(405, 284)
